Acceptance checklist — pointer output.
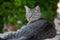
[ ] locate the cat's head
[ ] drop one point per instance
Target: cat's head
(33, 14)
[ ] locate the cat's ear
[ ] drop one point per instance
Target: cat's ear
(26, 8)
(37, 8)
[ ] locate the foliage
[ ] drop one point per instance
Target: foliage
(13, 10)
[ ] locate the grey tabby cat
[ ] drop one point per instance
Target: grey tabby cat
(33, 14)
(37, 29)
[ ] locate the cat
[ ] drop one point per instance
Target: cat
(37, 29)
(33, 14)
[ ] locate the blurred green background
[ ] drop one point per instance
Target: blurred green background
(13, 10)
